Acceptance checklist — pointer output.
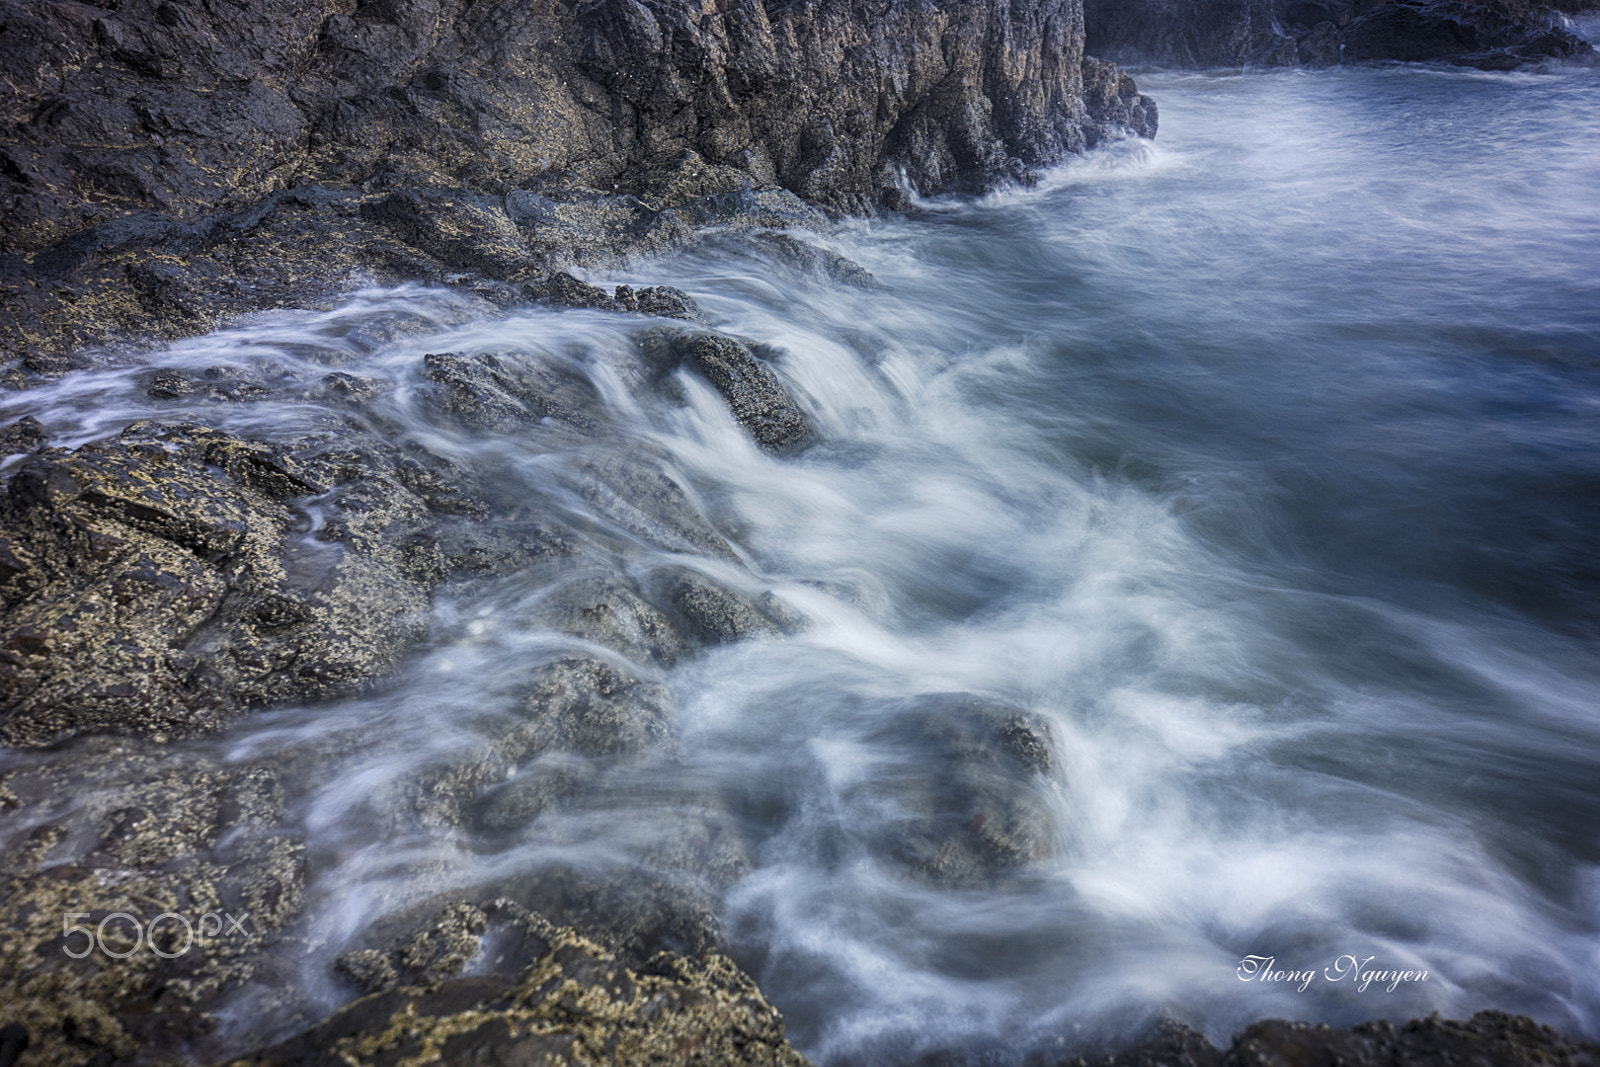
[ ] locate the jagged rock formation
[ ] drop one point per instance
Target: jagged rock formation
(187, 109)
(165, 164)
(1495, 35)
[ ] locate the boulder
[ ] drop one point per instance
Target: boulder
(758, 398)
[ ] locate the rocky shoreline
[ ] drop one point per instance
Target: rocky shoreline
(167, 168)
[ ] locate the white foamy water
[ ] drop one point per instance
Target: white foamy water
(1261, 462)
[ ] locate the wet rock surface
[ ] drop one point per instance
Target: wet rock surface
(1496, 35)
(715, 614)
(150, 587)
(495, 392)
(758, 398)
(163, 580)
(188, 835)
(983, 813)
(554, 996)
(165, 167)
(109, 842)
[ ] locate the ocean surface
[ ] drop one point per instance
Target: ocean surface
(1262, 461)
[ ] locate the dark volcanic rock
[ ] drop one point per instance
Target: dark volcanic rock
(579, 706)
(1495, 34)
(808, 258)
(563, 290)
(607, 612)
(1488, 1039)
(644, 499)
(660, 300)
(1468, 34)
(1114, 101)
(503, 392)
(759, 400)
(125, 827)
(461, 232)
(188, 109)
(24, 435)
(164, 166)
(713, 613)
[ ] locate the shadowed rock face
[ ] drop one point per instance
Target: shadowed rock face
(186, 109)
(1496, 35)
(164, 166)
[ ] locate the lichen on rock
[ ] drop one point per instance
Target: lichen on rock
(552, 995)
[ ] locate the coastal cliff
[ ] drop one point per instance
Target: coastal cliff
(164, 165)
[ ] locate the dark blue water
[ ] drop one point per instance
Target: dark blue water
(1262, 461)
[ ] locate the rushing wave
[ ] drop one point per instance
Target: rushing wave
(1262, 462)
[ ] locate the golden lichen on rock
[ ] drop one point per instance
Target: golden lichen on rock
(573, 1004)
(153, 584)
(126, 833)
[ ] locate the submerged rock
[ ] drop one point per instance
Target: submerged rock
(809, 258)
(505, 391)
(982, 813)
(645, 499)
(177, 865)
(24, 435)
(579, 705)
(607, 612)
(428, 955)
(713, 613)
